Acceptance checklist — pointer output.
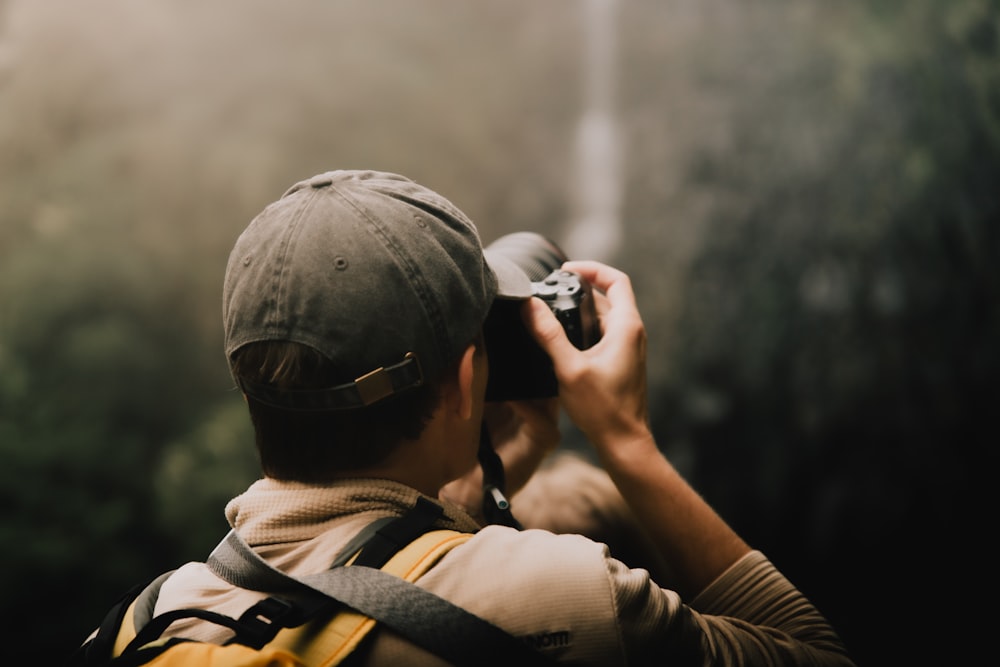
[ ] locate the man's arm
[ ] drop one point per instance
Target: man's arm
(603, 390)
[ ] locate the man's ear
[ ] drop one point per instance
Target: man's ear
(465, 383)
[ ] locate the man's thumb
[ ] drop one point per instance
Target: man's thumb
(545, 328)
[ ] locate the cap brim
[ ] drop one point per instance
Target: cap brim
(512, 281)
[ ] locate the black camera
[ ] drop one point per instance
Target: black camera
(519, 368)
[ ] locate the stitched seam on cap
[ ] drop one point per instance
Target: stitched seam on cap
(289, 238)
(411, 268)
(433, 210)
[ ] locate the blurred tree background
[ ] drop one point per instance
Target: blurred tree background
(810, 210)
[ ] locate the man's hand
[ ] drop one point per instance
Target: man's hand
(523, 433)
(603, 388)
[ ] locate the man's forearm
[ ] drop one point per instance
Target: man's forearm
(696, 543)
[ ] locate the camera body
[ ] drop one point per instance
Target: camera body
(518, 368)
(566, 295)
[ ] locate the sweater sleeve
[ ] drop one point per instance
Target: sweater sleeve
(750, 615)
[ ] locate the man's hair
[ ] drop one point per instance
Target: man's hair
(313, 446)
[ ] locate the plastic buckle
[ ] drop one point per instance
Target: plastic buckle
(260, 623)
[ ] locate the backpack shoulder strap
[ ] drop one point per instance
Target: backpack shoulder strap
(140, 612)
(118, 627)
(324, 617)
(325, 641)
(343, 633)
(423, 618)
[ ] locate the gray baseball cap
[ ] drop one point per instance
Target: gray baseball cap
(383, 276)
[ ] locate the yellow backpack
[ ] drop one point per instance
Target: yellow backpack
(317, 619)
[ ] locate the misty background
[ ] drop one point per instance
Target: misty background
(805, 194)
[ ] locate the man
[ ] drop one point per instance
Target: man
(353, 311)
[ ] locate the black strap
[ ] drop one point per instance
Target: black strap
(496, 507)
(98, 649)
(418, 615)
(251, 630)
(359, 540)
(396, 534)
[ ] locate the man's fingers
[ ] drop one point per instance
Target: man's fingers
(612, 282)
(613, 298)
(601, 307)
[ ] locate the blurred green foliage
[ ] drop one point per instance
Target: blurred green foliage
(811, 209)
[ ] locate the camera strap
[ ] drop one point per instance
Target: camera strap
(496, 507)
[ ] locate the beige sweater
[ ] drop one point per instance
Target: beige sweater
(563, 591)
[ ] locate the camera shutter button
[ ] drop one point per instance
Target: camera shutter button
(547, 289)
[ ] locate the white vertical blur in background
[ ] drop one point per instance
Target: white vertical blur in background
(596, 191)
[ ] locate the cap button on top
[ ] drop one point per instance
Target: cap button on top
(320, 181)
